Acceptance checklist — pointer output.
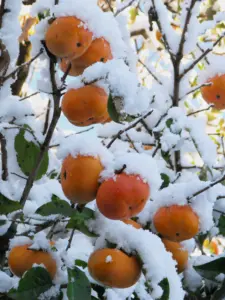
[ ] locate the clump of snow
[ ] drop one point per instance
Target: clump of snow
(137, 164)
(6, 282)
(108, 259)
(122, 83)
(157, 262)
(40, 242)
(19, 241)
(205, 145)
(80, 145)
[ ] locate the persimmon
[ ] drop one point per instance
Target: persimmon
(158, 35)
(99, 51)
(122, 197)
(74, 70)
(215, 93)
(176, 222)
(86, 105)
(132, 223)
(21, 259)
(180, 255)
(114, 268)
(79, 178)
(68, 37)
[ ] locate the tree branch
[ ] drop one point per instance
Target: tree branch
(204, 54)
(128, 128)
(200, 110)
(4, 157)
(45, 145)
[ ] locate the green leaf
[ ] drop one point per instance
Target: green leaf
(113, 113)
(79, 287)
(169, 122)
(166, 155)
(81, 263)
(27, 155)
(220, 293)
(2, 222)
(55, 207)
(7, 206)
(164, 284)
(79, 219)
(44, 14)
(35, 282)
(211, 269)
(166, 181)
(221, 225)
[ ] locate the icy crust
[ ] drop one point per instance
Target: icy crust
(86, 146)
(157, 262)
(136, 164)
(122, 83)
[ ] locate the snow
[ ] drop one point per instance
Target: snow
(157, 262)
(108, 259)
(79, 145)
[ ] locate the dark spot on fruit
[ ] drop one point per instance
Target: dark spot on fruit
(177, 234)
(102, 59)
(64, 175)
(217, 96)
(130, 207)
(79, 44)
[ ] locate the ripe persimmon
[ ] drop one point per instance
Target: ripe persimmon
(132, 223)
(74, 69)
(21, 259)
(79, 178)
(122, 197)
(215, 93)
(99, 51)
(178, 252)
(176, 222)
(68, 37)
(86, 105)
(114, 268)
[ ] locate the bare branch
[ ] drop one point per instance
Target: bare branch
(200, 110)
(70, 240)
(47, 117)
(124, 7)
(196, 88)
(204, 54)
(29, 96)
(150, 72)
(128, 128)
(132, 143)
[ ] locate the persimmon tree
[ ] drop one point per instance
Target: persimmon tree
(130, 204)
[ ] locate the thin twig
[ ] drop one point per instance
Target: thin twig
(150, 72)
(132, 143)
(197, 88)
(124, 7)
(21, 66)
(70, 239)
(29, 96)
(109, 5)
(207, 187)
(200, 110)
(128, 128)
(25, 178)
(47, 117)
(4, 157)
(204, 54)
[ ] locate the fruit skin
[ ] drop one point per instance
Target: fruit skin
(122, 271)
(85, 106)
(122, 196)
(176, 223)
(21, 260)
(178, 252)
(132, 223)
(65, 37)
(215, 93)
(99, 51)
(79, 178)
